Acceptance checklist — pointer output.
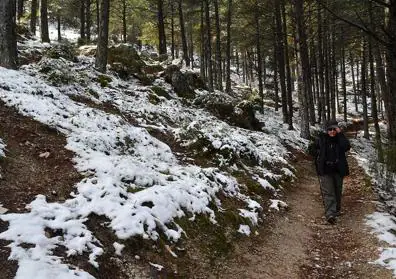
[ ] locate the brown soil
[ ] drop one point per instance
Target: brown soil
(296, 243)
(300, 244)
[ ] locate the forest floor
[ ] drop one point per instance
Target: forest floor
(297, 243)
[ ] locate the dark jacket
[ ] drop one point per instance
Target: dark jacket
(329, 154)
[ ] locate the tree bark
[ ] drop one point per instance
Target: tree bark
(281, 60)
(203, 45)
(364, 91)
(58, 20)
(183, 34)
(287, 67)
(219, 81)
(20, 9)
(103, 37)
(8, 42)
(228, 50)
(343, 76)
(82, 21)
(33, 16)
(390, 100)
(321, 69)
(44, 21)
(353, 81)
(259, 58)
(304, 59)
(208, 46)
(124, 21)
(161, 27)
(172, 6)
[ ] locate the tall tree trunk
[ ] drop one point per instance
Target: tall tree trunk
(364, 90)
(355, 91)
(33, 16)
(219, 81)
(183, 34)
(8, 42)
(103, 36)
(124, 21)
(208, 46)
(390, 100)
(333, 74)
(343, 76)
(172, 5)
(287, 66)
(58, 20)
(203, 45)
(275, 70)
(379, 67)
(97, 14)
(228, 49)
(20, 9)
(161, 27)
(304, 58)
(44, 21)
(374, 112)
(321, 68)
(82, 21)
(88, 20)
(281, 59)
(191, 43)
(259, 57)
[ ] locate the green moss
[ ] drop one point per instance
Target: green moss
(154, 99)
(104, 80)
(160, 91)
(134, 189)
(252, 185)
(212, 239)
(93, 93)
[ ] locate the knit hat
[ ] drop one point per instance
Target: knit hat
(332, 124)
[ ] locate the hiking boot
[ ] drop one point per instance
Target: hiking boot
(331, 220)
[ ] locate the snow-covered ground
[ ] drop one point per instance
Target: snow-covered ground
(383, 224)
(116, 156)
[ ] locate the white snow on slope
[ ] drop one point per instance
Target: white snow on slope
(116, 157)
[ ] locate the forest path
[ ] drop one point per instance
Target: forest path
(300, 244)
(296, 243)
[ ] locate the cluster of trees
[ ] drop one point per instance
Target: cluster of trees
(323, 45)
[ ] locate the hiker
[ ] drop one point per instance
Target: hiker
(331, 166)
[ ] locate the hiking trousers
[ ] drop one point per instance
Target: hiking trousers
(331, 189)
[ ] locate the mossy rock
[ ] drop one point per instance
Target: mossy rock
(161, 91)
(125, 60)
(151, 69)
(62, 50)
(184, 83)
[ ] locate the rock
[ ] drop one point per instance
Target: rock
(62, 50)
(231, 110)
(87, 50)
(125, 60)
(185, 83)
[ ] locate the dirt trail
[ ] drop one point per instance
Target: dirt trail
(300, 244)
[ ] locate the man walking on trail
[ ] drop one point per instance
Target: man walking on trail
(331, 166)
